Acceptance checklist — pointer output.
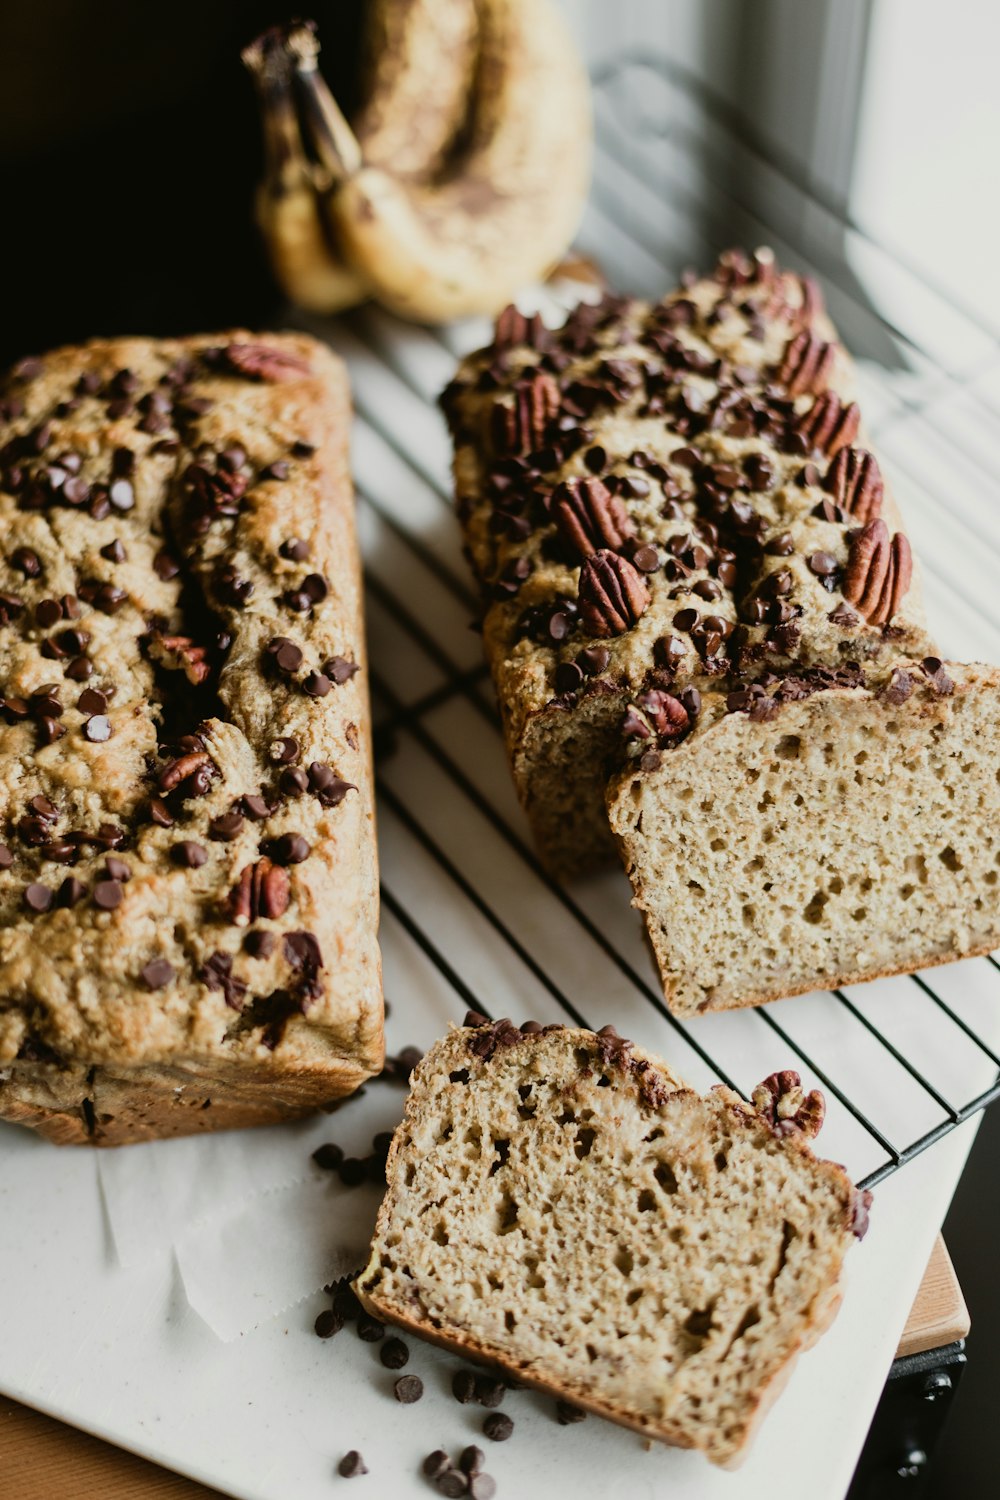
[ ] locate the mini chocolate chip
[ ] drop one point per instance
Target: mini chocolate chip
(98, 728)
(226, 827)
(328, 1156)
(567, 1414)
(394, 1354)
(463, 1386)
(490, 1391)
(188, 854)
(351, 1465)
(114, 551)
(157, 973)
(408, 1388)
(317, 685)
(108, 894)
(278, 470)
(38, 897)
(295, 549)
(259, 944)
(328, 1323)
(498, 1427)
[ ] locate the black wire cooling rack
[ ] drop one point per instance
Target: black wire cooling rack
(903, 1061)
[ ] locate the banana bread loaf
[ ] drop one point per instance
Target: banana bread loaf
(188, 889)
(668, 496)
(561, 1205)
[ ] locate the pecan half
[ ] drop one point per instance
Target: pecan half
(807, 364)
(854, 479)
(261, 891)
(513, 329)
(521, 428)
(588, 516)
(829, 425)
(612, 595)
(262, 362)
(782, 1102)
(659, 713)
(178, 653)
(182, 768)
(878, 572)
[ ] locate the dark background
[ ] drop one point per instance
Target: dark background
(129, 153)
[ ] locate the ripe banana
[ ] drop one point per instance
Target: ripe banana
(420, 60)
(298, 236)
(503, 211)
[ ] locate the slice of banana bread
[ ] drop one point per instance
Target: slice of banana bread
(811, 830)
(561, 1205)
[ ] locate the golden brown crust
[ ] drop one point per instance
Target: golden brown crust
(232, 455)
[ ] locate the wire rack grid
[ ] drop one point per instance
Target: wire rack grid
(469, 916)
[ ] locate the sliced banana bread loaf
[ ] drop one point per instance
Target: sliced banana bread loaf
(812, 831)
(561, 1205)
(666, 496)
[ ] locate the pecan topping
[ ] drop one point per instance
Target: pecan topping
(261, 891)
(659, 713)
(807, 364)
(182, 769)
(521, 428)
(180, 654)
(781, 1101)
(613, 595)
(855, 482)
(878, 572)
(514, 329)
(588, 516)
(829, 425)
(260, 362)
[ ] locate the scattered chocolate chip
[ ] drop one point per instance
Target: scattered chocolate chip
(482, 1486)
(157, 973)
(463, 1386)
(353, 1171)
(328, 1323)
(328, 1156)
(394, 1354)
(490, 1391)
(38, 897)
(408, 1388)
(452, 1483)
(351, 1465)
(188, 854)
(567, 1414)
(435, 1463)
(498, 1427)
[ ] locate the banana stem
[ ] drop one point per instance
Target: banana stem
(331, 138)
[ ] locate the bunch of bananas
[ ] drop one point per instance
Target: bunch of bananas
(463, 177)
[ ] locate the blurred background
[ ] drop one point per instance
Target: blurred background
(858, 137)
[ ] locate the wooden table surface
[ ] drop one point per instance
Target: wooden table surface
(41, 1458)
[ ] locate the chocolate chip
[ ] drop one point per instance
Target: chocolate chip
(98, 728)
(188, 854)
(394, 1354)
(567, 1414)
(471, 1459)
(408, 1388)
(157, 973)
(685, 619)
(295, 549)
(353, 1171)
(255, 807)
(339, 669)
(370, 1330)
(317, 685)
(498, 1427)
(49, 730)
(436, 1463)
(117, 870)
(160, 814)
(351, 1465)
(278, 470)
(26, 561)
(165, 566)
(121, 495)
(328, 1156)
(568, 677)
(226, 827)
(289, 849)
(43, 807)
(286, 655)
(70, 892)
(114, 551)
(79, 669)
(108, 894)
(285, 750)
(259, 944)
(452, 1483)
(463, 1386)
(823, 564)
(646, 559)
(91, 701)
(47, 612)
(482, 1486)
(316, 587)
(328, 1323)
(489, 1391)
(38, 897)
(6, 857)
